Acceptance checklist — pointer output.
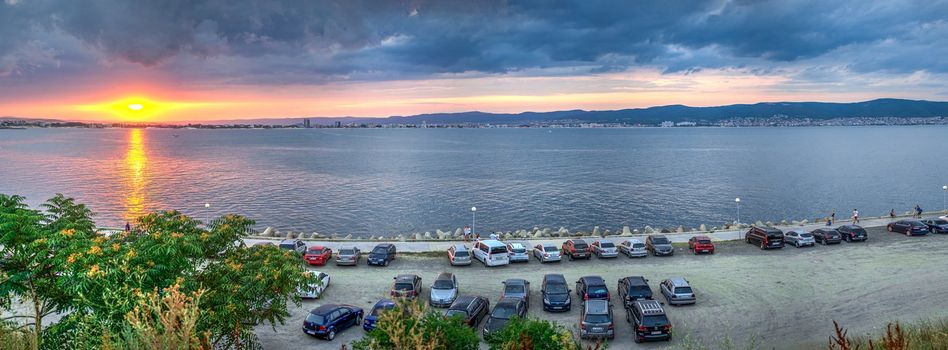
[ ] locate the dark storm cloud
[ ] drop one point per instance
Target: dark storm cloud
(335, 40)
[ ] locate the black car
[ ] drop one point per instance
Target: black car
(327, 320)
(909, 227)
(764, 237)
(503, 311)
(937, 225)
(592, 287)
(826, 236)
(555, 293)
(648, 321)
(470, 309)
(852, 233)
(382, 254)
(634, 288)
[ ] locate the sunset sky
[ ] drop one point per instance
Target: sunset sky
(177, 60)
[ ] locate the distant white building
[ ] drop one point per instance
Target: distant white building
(668, 124)
(686, 124)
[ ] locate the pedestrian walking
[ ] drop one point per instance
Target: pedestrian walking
(467, 233)
(855, 216)
(892, 213)
(128, 227)
(831, 218)
(918, 211)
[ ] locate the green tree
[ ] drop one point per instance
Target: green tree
(534, 334)
(33, 244)
(413, 326)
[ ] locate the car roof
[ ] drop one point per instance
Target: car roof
(326, 308)
(768, 229)
(463, 302)
(384, 245)
(445, 276)
(577, 240)
(517, 245)
(636, 280)
(384, 302)
(313, 247)
(702, 237)
(406, 277)
(554, 278)
(597, 306)
(508, 301)
(851, 226)
(678, 282)
(593, 280)
(650, 307)
(492, 242)
(516, 281)
(460, 246)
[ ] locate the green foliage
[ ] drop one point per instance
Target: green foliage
(532, 333)
(414, 326)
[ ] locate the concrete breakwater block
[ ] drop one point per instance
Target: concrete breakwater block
(626, 231)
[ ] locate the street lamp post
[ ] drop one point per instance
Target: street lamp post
(207, 214)
(738, 201)
(944, 202)
(473, 219)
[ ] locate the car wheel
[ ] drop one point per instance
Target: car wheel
(889, 228)
(331, 335)
(636, 339)
(570, 257)
(762, 246)
(359, 319)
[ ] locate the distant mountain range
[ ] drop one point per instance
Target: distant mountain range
(897, 108)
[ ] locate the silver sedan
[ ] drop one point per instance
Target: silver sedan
(799, 239)
(546, 252)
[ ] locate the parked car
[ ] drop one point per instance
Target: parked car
(371, 319)
(263, 244)
(799, 238)
(470, 309)
(591, 288)
(317, 255)
(491, 252)
(853, 233)
(459, 255)
(382, 255)
(659, 245)
(633, 248)
(315, 290)
(700, 244)
(516, 288)
(407, 286)
(555, 293)
(596, 321)
(517, 252)
(444, 290)
(546, 252)
(826, 236)
(677, 291)
(327, 320)
(764, 237)
(633, 288)
(937, 225)
(575, 249)
(604, 248)
(649, 321)
(294, 245)
(348, 256)
(504, 310)
(909, 227)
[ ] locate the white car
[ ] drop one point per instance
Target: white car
(633, 248)
(546, 252)
(491, 252)
(315, 290)
(517, 252)
(604, 248)
(799, 239)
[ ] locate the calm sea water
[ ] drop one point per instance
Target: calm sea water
(386, 181)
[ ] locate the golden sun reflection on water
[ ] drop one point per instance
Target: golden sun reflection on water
(134, 175)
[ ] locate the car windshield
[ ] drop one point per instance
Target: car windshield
(287, 246)
(704, 241)
(513, 289)
(317, 319)
(404, 286)
(518, 250)
(550, 248)
(580, 245)
(638, 245)
(498, 250)
(774, 235)
(598, 290)
(504, 311)
(806, 235)
(311, 251)
(683, 290)
(607, 245)
(376, 311)
(654, 321)
(660, 240)
(597, 318)
(452, 312)
(556, 288)
(443, 284)
(639, 290)
(379, 250)
(346, 252)
(460, 253)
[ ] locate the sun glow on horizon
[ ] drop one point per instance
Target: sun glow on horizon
(139, 109)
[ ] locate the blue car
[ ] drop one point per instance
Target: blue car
(383, 304)
(327, 320)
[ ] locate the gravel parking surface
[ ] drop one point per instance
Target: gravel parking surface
(785, 299)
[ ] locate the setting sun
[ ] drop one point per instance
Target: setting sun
(136, 106)
(138, 109)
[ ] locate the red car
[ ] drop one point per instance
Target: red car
(575, 249)
(701, 244)
(317, 255)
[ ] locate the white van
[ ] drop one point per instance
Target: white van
(491, 252)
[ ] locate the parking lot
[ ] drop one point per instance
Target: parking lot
(785, 299)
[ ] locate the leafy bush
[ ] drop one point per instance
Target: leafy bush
(529, 333)
(414, 326)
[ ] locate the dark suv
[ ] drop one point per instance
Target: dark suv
(382, 254)
(764, 237)
(555, 293)
(592, 288)
(470, 309)
(634, 288)
(659, 245)
(575, 249)
(648, 321)
(852, 233)
(406, 286)
(596, 320)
